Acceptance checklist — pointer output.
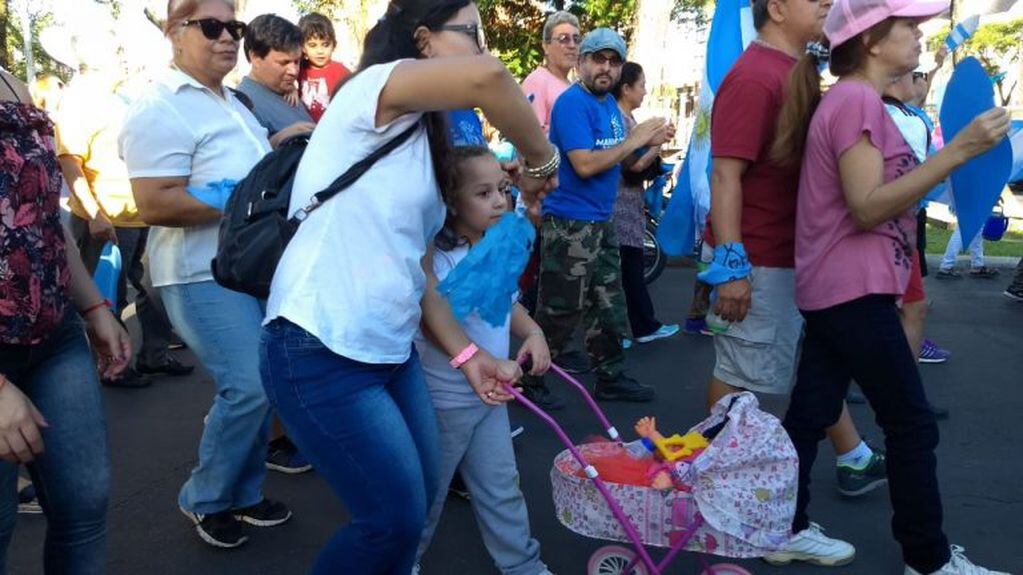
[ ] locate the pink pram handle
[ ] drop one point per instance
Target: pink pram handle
(612, 431)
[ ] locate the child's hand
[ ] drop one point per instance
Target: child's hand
(292, 97)
(535, 348)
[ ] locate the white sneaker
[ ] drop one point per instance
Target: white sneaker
(812, 546)
(958, 565)
(415, 569)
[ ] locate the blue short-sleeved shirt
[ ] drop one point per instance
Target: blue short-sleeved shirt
(465, 129)
(582, 121)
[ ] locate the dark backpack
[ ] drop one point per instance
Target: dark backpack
(256, 226)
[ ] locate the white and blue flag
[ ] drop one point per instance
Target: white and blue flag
(962, 32)
(730, 32)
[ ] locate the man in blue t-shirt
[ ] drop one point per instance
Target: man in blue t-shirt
(579, 267)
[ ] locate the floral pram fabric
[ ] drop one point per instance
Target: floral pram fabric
(743, 485)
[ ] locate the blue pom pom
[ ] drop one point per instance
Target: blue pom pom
(486, 280)
(215, 194)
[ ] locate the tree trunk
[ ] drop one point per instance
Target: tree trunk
(5, 18)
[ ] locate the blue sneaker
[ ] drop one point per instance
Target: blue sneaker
(931, 353)
(626, 343)
(697, 326)
(663, 332)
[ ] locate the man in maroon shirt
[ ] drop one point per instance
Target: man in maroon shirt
(753, 211)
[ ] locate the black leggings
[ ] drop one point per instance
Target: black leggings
(637, 299)
(863, 340)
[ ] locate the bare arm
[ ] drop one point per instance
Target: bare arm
(726, 199)
(643, 162)
(872, 201)
(166, 202)
(458, 83)
(589, 163)
(71, 167)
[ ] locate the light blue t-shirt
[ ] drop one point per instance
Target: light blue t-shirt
(582, 121)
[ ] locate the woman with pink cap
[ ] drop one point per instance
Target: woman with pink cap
(855, 235)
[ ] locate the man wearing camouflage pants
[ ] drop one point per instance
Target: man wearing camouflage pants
(580, 271)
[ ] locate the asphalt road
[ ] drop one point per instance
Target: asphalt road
(154, 433)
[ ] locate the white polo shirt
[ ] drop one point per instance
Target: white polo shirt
(180, 128)
(352, 275)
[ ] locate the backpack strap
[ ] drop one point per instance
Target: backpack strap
(352, 175)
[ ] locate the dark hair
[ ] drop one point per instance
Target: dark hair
(271, 32)
(317, 26)
(760, 13)
(631, 72)
(448, 239)
(803, 93)
(392, 39)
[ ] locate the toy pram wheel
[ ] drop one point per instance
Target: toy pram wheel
(726, 569)
(612, 560)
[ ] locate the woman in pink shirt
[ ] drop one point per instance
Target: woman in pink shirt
(855, 236)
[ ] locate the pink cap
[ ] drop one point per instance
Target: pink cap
(848, 18)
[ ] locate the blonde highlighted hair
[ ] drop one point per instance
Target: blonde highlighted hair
(180, 10)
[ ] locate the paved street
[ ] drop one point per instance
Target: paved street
(154, 434)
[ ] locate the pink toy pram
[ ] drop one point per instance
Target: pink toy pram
(738, 500)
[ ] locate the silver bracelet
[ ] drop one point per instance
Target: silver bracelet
(547, 170)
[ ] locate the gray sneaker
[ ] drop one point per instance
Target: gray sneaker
(855, 482)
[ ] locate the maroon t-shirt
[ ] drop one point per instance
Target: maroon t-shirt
(317, 85)
(743, 122)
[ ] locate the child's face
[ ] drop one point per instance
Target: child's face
(483, 197)
(318, 51)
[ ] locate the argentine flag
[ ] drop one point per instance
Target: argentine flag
(962, 32)
(730, 32)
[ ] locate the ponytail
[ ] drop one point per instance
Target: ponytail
(801, 98)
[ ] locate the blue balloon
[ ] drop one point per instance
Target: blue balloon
(977, 185)
(108, 270)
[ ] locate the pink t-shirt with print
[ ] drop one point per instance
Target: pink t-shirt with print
(836, 261)
(544, 89)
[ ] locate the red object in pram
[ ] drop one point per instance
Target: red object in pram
(743, 518)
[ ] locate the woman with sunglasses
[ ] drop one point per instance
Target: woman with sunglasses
(348, 296)
(188, 132)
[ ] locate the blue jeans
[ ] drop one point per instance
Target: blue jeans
(370, 431)
(72, 477)
(222, 328)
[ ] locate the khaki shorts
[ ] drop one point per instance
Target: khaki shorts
(760, 353)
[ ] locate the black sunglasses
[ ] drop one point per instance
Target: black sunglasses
(919, 76)
(213, 28)
(474, 31)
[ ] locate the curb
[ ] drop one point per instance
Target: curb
(999, 262)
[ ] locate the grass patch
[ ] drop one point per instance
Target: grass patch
(1010, 245)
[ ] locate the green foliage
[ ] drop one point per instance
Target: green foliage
(514, 33)
(992, 44)
(14, 48)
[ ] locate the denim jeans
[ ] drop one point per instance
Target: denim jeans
(864, 340)
(370, 431)
(72, 477)
(222, 328)
(955, 245)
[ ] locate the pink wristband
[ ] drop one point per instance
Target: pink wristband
(465, 355)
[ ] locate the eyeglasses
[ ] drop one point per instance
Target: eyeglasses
(474, 31)
(919, 76)
(600, 59)
(567, 39)
(213, 28)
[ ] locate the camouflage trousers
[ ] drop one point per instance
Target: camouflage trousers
(580, 282)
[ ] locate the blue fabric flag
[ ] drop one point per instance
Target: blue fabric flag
(730, 32)
(977, 185)
(108, 270)
(962, 32)
(485, 281)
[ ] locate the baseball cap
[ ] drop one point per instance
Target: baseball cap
(848, 18)
(602, 39)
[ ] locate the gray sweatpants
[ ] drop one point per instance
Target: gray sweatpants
(476, 441)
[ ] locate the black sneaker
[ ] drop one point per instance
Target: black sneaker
(574, 361)
(855, 482)
(543, 397)
(218, 529)
(624, 388)
(457, 486)
(266, 513)
(171, 367)
(129, 379)
(28, 503)
(283, 456)
(1014, 292)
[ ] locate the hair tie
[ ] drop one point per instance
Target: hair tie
(819, 51)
